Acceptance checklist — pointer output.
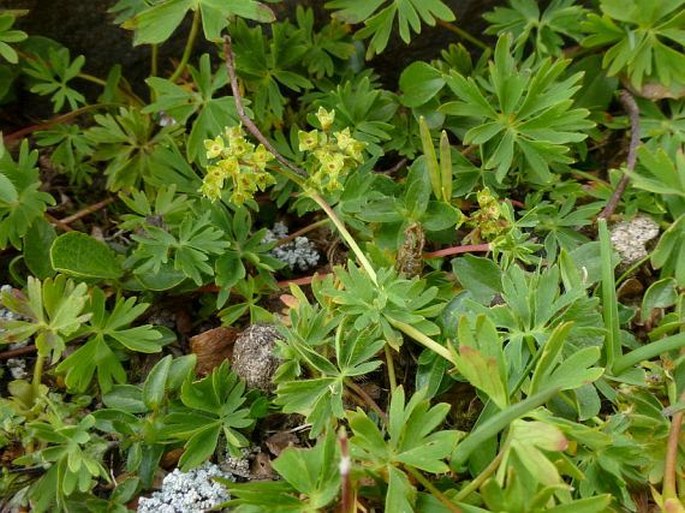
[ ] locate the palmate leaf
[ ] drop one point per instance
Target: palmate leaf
(311, 480)
(379, 24)
(542, 31)
(322, 398)
(211, 406)
(53, 311)
(108, 334)
(158, 22)
(412, 442)
(131, 144)
(50, 76)
(528, 123)
(185, 248)
(21, 201)
(212, 112)
(647, 39)
(268, 64)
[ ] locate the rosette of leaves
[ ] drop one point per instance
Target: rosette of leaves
(393, 300)
(523, 117)
(72, 455)
(131, 145)
(646, 41)
(542, 33)
(21, 201)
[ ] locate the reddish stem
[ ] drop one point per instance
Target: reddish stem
(456, 250)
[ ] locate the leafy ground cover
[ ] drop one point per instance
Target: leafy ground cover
(263, 281)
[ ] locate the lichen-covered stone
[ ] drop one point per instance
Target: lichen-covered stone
(253, 356)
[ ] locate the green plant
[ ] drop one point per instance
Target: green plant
(526, 121)
(466, 321)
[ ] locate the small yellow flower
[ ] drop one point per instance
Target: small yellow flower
(230, 166)
(343, 139)
(355, 149)
(308, 140)
(261, 156)
(214, 147)
(325, 118)
(233, 133)
(240, 146)
(332, 162)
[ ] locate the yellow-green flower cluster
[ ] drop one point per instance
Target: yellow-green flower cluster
(332, 155)
(238, 161)
(489, 221)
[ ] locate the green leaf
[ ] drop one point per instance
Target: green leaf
(480, 276)
(480, 359)
(37, 244)
(154, 388)
(21, 202)
(378, 25)
(80, 255)
(660, 294)
(495, 424)
(419, 83)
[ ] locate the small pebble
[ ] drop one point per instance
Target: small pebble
(629, 238)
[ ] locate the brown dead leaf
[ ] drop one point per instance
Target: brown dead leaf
(212, 347)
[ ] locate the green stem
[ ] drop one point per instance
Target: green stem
(463, 34)
(479, 479)
(433, 490)
(37, 376)
(346, 235)
(190, 43)
(422, 339)
(390, 364)
(609, 301)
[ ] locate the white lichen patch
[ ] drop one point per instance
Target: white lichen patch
(629, 238)
(187, 492)
(299, 254)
